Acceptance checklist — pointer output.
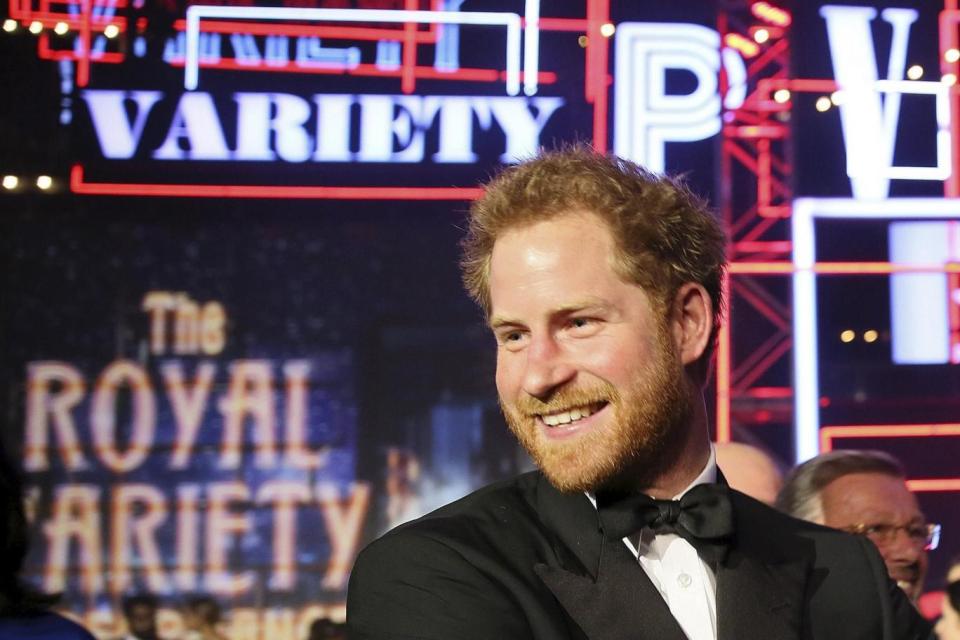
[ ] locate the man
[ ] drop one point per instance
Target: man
(24, 610)
(865, 492)
(750, 470)
(601, 283)
(140, 612)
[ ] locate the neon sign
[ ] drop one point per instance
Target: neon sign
(287, 127)
(869, 123)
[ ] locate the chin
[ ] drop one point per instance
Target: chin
(569, 475)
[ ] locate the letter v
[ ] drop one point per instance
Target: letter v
(869, 124)
(117, 136)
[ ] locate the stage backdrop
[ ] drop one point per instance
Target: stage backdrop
(235, 347)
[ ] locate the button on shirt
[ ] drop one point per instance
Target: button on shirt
(687, 583)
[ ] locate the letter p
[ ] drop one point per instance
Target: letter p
(646, 117)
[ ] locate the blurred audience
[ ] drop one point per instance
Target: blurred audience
(24, 611)
(948, 627)
(140, 612)
(750, 470)
(201, 617)
(865, 492)
(324, 629)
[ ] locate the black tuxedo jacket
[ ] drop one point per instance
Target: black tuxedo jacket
(518, 560)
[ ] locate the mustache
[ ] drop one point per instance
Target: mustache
(906, 572)
(566, 398)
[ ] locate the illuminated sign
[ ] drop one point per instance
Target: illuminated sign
(805, 213)
(279, 126)
(359, 58)
(922, 304)
(646, 116)
(509, 21)
(870, 108)
(184, 470)
(870, 117)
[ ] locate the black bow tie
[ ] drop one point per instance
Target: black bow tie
(703, 517)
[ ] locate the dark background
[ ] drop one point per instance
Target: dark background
(369, 290)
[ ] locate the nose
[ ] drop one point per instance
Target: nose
(547, 367)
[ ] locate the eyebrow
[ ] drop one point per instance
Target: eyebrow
(498, 321)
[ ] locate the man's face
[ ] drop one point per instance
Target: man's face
(881, 499)
(142, 621)
(587, 372)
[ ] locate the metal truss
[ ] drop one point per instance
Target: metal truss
(753, 385)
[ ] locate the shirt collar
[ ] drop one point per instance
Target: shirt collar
(707, 476)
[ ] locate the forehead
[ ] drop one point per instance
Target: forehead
(578, 225)
(863, 498)
(576, 247)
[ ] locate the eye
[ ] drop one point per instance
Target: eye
(583, 326)
(512, 340)
(881, 530)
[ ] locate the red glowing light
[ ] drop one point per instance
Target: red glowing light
(337, 32)
(306, 192)
(829, 434)
(953, 312)
(934, 484)
(597, 78)
(368, 70)
(841, 268)
(723, 377)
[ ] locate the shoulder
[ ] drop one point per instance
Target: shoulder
(45, 625)
(847, 586)
(836, 556)
(455, 572)
(492, 510)
(762, 524)
(496, 516)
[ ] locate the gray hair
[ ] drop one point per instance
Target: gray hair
(800, 495)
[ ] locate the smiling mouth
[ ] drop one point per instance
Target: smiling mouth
(906, 579)
(570, 416)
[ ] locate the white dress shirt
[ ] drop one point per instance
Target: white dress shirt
(687, 583)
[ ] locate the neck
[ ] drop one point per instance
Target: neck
(691, 456)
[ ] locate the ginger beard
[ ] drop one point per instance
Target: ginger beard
(635, 444)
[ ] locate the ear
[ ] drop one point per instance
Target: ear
(692, 321)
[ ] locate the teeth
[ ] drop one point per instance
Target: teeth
(566, 417)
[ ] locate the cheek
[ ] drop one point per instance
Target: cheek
(615, 363)
(506, 375)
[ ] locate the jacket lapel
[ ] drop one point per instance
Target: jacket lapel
(599, 584)
(760, 586)
(761, 583)
(759, 600)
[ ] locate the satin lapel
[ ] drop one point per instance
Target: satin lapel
(575, 522)
(761, 583)
(608, 598)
